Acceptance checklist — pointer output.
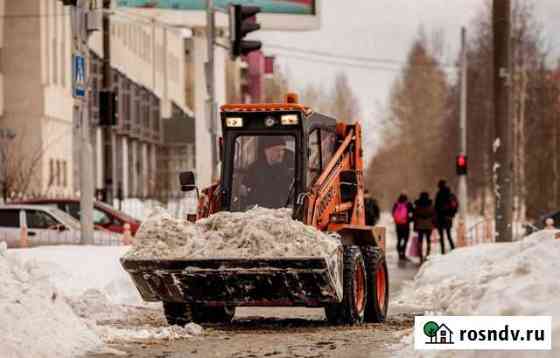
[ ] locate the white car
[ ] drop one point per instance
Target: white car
(45, 226)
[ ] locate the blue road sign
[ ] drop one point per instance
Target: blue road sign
(79, 76)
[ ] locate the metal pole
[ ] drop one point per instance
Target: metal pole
(210, 84)
(81, 117)
(463, 193)
(502, 144)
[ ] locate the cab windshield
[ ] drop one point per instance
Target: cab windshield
(263, 172)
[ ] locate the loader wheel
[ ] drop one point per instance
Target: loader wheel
(208, 314)
(178, 314)
(377, 284)
(352, 308)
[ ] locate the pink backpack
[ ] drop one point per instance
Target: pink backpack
(400, 215)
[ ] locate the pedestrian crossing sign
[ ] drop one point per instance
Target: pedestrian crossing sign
(79, 76)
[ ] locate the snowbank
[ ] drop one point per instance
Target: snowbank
(76, 269)
(258, 232)
(519, 278)
(36, 321)
(100, 294)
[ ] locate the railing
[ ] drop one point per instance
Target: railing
(23, 237)
(481, 232)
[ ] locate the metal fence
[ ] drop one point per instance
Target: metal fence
(177, 204)
(21, 238)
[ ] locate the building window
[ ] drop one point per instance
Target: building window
(64, 174)
(58, 172)
(51, 172)
(55, 59)
(63, 58)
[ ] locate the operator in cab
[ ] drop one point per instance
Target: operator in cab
(270, 178)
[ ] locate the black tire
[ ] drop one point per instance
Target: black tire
(377, 280)
(178, 314)
(206, 314)
(351, 310)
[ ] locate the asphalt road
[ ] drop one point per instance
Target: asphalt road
(278, 332)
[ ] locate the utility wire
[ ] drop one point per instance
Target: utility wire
(341, 63)
(349, 58)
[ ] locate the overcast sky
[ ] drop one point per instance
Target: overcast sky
(382, 29)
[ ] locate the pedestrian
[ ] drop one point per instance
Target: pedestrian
(402, 216)
(371, 209)
(423, 222)
(446, 207)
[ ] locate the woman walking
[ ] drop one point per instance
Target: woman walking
(402, 216)
(424, 222)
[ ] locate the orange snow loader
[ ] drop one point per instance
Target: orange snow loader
(281, 155)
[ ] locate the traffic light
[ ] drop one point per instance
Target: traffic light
(107, 108)
(242, 21)
(461, 164)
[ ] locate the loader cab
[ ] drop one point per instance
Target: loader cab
(272, 153)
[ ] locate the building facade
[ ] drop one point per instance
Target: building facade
(147, 73)
(158, 75)
(36, 101)
(148, 77)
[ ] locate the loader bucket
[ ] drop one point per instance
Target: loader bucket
(301, 281)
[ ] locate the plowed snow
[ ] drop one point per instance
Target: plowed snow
(258, 232)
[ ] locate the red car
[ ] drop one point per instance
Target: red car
(103, 215)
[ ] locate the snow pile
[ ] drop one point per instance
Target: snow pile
(36, 321)
(112, 334)
(519, 278)
(74, 270)
(99, 291)
(95, 305)
(258, 232)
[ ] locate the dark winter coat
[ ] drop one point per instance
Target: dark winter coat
(268, 185)
(444, 215)
(372, 211)
(423, 215)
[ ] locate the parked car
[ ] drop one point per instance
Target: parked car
(45, 226)
(540, 223)
(103, 215)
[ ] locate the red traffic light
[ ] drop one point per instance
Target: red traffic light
(461, 164)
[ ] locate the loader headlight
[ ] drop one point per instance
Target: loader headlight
(234, 122)
(270, 121)
(289, 119)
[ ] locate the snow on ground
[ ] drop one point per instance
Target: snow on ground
(519, 278)
(258, 232)
(36, 321)
(112, 334)
(98, 290)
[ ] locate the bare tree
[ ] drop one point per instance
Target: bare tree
(417, 137)
(22, 157)
(344, 104)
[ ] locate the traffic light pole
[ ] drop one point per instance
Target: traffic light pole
(463, 191)
(210, 85)
(80, 37)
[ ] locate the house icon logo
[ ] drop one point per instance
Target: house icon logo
(438, 333)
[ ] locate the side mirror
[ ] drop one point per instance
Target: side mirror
(61, 228)
(186, 179)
